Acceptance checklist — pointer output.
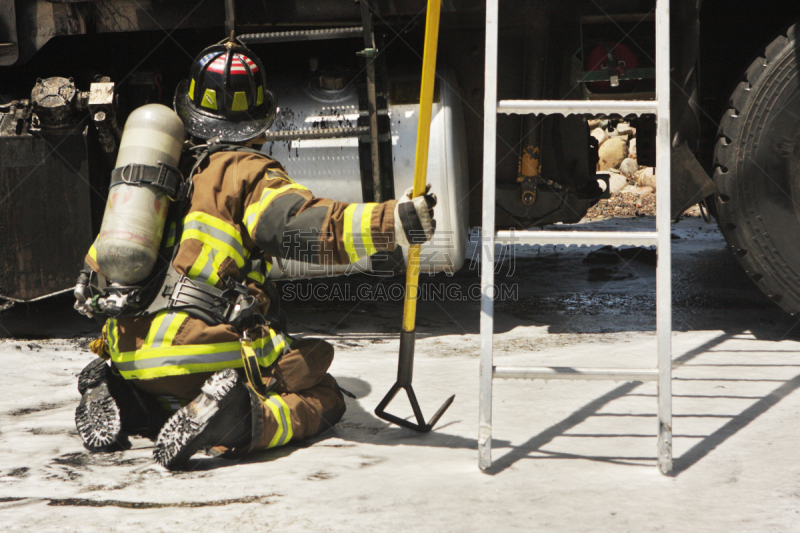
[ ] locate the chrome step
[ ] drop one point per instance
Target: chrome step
(302, 35)
(320, 133)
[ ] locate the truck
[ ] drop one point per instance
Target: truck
(346, 74)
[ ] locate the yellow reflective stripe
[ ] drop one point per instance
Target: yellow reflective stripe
(357, 231)
(210, 99)
(257, 276)
(268, 349)
(214, 222)
(143, 354)
(255, 210)
(112, 336)
(216, 233)
(171, 235)
(276, 414)
(200, 262)
(203, 268)
(163, 329)
(239, 101)
(283, 417)
(366, 230)
(191, 90)
(348, 232)
(215, 244)
(93, 253)
(260, 97)
(182, 370)
(173, 328)
(154, 327)
(149, 363)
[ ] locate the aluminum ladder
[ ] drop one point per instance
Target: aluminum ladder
(660, 238)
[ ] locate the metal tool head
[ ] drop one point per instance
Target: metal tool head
(421, 426)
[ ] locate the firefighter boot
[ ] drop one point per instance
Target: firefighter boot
(110, 409)
(97, 417)
(219, 416)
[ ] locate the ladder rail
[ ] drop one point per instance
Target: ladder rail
(663, 229)
(661, 237)
(487, 237)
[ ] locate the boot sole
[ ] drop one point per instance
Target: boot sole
(176, 441)
(97, 417)
(91, 375)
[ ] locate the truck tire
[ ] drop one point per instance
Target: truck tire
(757, 172)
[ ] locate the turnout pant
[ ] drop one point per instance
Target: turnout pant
(304, 399)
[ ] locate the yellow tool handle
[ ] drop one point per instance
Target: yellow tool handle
(421, 163)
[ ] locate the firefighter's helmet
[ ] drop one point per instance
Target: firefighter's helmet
(226, 97)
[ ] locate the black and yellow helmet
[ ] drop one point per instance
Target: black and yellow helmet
(226, 96)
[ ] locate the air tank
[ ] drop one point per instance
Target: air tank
(133, 224)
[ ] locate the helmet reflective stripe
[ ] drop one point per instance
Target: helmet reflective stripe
(210, 99)
(191, 90)
(239, 102)
(260, 97)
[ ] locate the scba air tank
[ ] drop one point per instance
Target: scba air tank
(138, 197)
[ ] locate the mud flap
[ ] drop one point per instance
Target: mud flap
(689, 183)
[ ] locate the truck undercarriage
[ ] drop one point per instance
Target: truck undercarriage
(57, 136)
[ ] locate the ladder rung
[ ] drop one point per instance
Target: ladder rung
(566, 372)
(577, 107)
(579, 238)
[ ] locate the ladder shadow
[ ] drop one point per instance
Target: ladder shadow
(559, 429)
(691, 457)
(360, 425)
(733, 426)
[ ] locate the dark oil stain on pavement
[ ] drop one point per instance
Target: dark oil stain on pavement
(84, 502)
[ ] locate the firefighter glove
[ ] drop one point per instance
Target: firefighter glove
(413, 218)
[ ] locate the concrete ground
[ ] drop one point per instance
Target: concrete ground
(568, 455)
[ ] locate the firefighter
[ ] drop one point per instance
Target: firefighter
(218, 369)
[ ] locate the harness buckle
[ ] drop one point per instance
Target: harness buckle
(168, 179)
(244, 305)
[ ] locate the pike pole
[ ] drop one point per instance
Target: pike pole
(405, 365)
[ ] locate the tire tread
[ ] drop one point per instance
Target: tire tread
(761, 262)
